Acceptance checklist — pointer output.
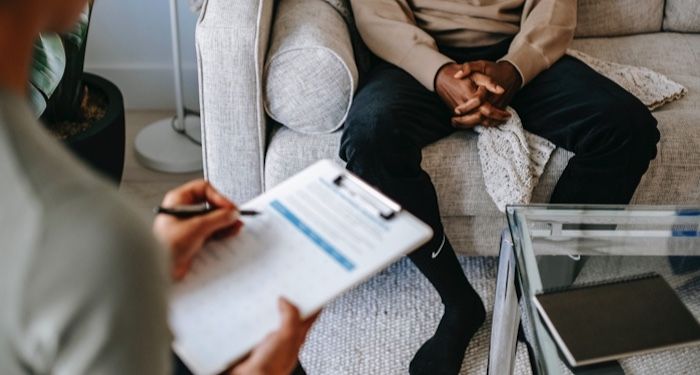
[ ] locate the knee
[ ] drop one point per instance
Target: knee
(630, 125)
(369, 133)
(362, 136)
(376, 141)
(649, 134)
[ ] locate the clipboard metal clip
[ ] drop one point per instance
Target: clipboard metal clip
(367, 196)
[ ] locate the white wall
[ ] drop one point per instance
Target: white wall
(129, 43)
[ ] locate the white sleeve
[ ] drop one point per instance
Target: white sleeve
(97, 304)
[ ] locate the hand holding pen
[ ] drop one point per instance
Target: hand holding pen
(190, 216)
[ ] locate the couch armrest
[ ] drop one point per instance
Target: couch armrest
(232, 38)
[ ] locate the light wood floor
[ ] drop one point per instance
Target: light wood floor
(144, 186)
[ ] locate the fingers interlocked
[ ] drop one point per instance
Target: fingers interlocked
(478, 108)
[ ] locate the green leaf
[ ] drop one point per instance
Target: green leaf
(49, 64)
(57, 70)
(38, 101)
(78, 35)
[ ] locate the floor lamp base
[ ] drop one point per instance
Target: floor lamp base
(159, 147)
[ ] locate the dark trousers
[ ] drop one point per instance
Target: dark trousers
(394, 117)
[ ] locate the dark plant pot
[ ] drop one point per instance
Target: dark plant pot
(102, 145)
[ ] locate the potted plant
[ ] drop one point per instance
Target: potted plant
(83, 110)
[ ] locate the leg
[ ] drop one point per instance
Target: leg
(299, 370)
(392, 118)
(612, 133)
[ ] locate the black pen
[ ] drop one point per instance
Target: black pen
(188, 211)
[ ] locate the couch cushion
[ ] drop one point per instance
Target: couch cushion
(310, 76)
(619, 17)
(666, 53)
(682, 15)
(461, 190)
(673, 54)
(675, 174)
(674, 177)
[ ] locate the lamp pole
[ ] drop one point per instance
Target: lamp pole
(172, 144)
(177, 68)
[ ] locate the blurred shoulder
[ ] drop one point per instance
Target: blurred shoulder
(96, 226)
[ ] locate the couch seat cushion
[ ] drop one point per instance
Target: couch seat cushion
(452, 163)
(673, 54)
(667, 53)
(674, 177)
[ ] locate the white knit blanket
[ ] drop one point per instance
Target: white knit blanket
(512, 159)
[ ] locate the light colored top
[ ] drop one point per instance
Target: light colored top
(82, 283)
(408, 33)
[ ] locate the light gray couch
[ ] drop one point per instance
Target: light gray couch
(246, 153)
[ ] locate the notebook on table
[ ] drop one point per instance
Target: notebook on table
(602, 322)
(318, 234)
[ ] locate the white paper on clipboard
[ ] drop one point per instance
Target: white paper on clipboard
(320, 233)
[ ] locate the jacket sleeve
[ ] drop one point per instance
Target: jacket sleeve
(546, 31)
(97, 304)
(389, 29)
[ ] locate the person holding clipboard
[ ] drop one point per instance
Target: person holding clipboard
(83, 284)
(183, 227)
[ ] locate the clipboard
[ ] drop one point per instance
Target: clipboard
(319, 234)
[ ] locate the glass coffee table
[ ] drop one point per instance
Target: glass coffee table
(551, 246)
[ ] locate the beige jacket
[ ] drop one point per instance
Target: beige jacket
(407, 33)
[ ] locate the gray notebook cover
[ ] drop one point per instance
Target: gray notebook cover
(603, 322)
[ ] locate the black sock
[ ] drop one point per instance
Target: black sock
(464, 312)
(299, 370)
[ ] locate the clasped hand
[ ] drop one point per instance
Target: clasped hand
(478, 91)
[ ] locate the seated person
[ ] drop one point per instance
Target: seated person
(451, 65)
(83, 284)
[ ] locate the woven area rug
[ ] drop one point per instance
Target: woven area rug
(377, 327)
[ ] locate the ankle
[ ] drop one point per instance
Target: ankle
(443, 353)
(467, 305)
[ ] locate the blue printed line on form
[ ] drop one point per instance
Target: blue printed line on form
(313, 236)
